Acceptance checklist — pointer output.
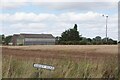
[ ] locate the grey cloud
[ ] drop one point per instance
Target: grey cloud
(71, 6)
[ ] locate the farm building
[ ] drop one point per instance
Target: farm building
(33, 39)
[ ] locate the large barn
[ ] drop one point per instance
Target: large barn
(33, 39)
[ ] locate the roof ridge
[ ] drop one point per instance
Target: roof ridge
(29, 34)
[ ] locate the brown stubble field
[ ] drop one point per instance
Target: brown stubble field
(70, 61)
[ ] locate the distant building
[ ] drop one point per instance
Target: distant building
(33, 39)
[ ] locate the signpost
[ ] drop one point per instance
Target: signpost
(43, 66)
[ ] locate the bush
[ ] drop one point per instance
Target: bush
(83, 42)
(20, 44)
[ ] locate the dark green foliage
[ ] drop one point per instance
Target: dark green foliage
(2, 39)
(75, 27)
(118, 41)
(8, 39)
(110, 41)
(20, 44)
(97, 40)
(83, 41)
(57, 40)
(72, 37)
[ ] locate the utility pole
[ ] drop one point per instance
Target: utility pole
(106, 26)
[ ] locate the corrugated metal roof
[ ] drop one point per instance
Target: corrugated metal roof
(37, 35)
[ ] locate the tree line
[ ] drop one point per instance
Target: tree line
(72, 37)
(5, 40)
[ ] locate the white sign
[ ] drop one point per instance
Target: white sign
(43, 66)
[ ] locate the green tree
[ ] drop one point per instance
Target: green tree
(57, 40)
(64, 36)
(111, 41)
(93, 41)
(70, 35)
(75, 27)
(104, 40)
(98, 40)
(89, 41)
(118, 41)
(83, 41)
(8, 39)
(2, 39)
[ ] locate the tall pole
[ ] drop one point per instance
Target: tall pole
(106, 28)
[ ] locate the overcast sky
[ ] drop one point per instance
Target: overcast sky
(56, 17)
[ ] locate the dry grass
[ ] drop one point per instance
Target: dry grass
(96, 48)
(70, 61)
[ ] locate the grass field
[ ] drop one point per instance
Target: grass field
(70, 61)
